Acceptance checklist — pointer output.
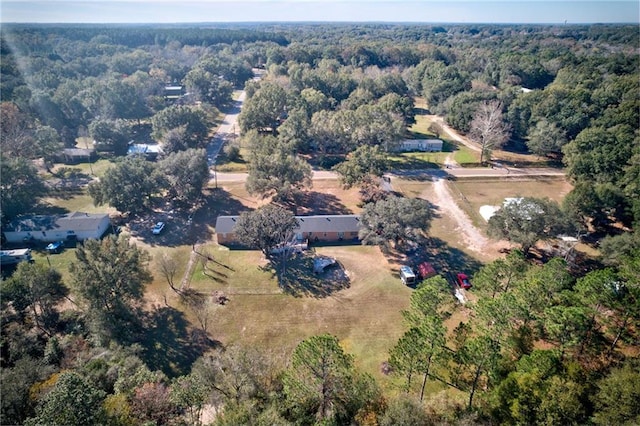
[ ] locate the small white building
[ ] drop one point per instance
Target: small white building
(423, 145)
(77, 225)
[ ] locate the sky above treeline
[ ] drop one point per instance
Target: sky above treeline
(427, 11)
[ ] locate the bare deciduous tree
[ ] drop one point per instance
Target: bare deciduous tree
(435, 128)
(488, 128)
(169, 269)
(200, 305)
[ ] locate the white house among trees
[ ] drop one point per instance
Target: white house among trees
(424, 145)
(56, 228)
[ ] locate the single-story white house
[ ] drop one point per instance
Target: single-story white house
(424, 145)
(310, 228)
(148, 151)
(81, 226)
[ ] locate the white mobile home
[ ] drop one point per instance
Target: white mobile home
(77, 225)
(423, 145)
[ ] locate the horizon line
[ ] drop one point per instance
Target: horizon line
(320, 22)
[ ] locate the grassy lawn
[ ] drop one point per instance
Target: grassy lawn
(472, 194)
(420, 129)
(328, 197)
(81, 202)
(365, 315)
(465, 156)
(59, 262)
(96, 168)
(417, 160)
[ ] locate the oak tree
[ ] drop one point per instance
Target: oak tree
(20, 187)
(274, 170)
(128, 186)
(109, 278)
(528, 220)
(395, 220)
(268, 228)
(365, 161)
(184, 174)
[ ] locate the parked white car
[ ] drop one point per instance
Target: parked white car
(158, 228)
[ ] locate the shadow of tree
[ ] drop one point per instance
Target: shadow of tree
(423, 175)
(300, 280)
(49, 209)
(446, 260)
(63, 193)
(411, 163)
(421, 111)
(170, 344)
(312, 203)
(218, 202)
(183, 229)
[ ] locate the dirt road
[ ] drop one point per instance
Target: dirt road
(473, 238)
(453, 134)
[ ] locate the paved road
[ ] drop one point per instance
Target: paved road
(229, 128)
(241, 177)
(427, 174)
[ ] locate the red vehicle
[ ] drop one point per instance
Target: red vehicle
(463, 281)
(426, 270)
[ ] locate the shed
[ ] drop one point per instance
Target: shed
(173, 92)
(76, 225)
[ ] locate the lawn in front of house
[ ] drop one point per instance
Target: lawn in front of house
(364, 314)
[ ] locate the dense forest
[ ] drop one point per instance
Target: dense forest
(546, 343)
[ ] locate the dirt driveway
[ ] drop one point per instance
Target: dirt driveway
(472, 237)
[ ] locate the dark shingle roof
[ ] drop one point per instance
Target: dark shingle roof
(322, 223)
(76, 221)
(329, 223)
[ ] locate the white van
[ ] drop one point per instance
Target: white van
(13, 257)
(407, 276)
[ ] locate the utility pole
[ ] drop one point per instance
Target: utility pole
(215, 172)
